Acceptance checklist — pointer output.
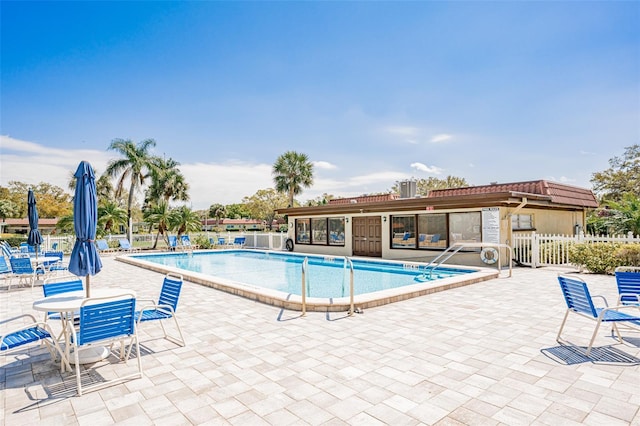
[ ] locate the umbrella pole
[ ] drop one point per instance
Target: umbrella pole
(88, 285)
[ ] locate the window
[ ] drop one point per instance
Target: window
(432, 231)
(336, 231)
(302, 231)
(403, 230)
(319, 231)
(522, 221)
(464, 227)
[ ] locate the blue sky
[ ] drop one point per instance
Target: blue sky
(372, 92)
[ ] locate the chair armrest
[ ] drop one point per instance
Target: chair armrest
(599, 296)
(632, 295)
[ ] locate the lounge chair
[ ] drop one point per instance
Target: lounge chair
(579, 301)
(238, 242)
(27, 334)
(173, 242)
(126, 246)
(186, 243)
(103, 247)
(221, 241)
(165, 308)
(103, 321)
(628, 281)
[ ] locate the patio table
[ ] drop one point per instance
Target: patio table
(69, 303)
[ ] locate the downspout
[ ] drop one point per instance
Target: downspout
(508, 216)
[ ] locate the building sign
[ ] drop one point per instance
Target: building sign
(491, 225)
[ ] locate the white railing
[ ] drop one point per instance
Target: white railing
(545, 249)
(253, 239)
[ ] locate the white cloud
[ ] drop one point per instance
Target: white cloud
(443, 137)
(34, 163)
(224, 182)
(428, 169)
(325, 165)
(402, 130)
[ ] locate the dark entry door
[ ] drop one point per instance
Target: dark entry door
(367, 236)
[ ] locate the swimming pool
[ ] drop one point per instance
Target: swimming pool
(276, 277)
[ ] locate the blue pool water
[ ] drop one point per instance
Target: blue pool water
(327, 277)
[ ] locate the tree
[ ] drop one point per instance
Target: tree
(625, 214)
(53, 201)
(8, 209)
(263, 204)
(134, 167)
(292, 171)
(320, 200)
(237, 211)
(184, 220)
(110, 215)
(218, 211)
(159, 215)
(623, 176)
(167, 182)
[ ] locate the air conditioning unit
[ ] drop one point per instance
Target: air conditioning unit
(408, 189)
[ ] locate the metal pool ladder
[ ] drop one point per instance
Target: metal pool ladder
(305, 265)
(449, 252)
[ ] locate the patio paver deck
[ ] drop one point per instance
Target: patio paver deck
(481, 354)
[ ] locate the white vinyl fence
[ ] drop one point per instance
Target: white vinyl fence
(543, 249)
(259, 240)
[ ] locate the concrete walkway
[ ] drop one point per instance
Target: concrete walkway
(482, 354)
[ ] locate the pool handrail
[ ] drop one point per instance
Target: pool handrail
(305, 264)
(455, 248)
(351, 290)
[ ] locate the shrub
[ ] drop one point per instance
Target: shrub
(628, 255)
(202, 241)
(598, 258)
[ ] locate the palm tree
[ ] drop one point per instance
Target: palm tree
(291, 172)
(218, 211)
(183, 220)
(160, 215)
(110, 215)
(625, 214)
(135, 166)
(167, 182)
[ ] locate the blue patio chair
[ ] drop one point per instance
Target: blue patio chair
(628, 282)
(106, 320)
(173, 242)
(126, 246)
(221, 241)
(579, 301)
(103, 246)
(186, 242)
(165, 308)
(59, 285)
(5, 270)
(238, 242)
(25, 271)
(54, 265)
(26, 334)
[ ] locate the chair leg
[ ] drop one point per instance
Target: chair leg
(593, 338)
(564, 320)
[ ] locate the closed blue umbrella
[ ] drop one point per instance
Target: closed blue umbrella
(84, 260)
(34, 238)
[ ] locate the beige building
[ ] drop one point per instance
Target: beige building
(421, 228)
